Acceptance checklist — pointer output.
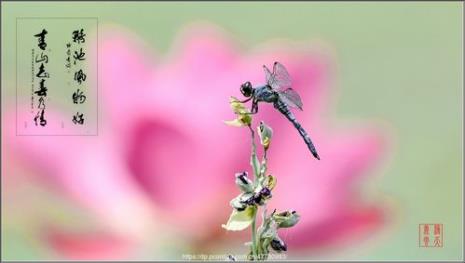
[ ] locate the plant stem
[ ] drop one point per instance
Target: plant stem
(254, 147)
(254, 159)
(256, 172)
(254, 238)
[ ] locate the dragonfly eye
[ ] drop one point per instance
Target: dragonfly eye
(246, 89)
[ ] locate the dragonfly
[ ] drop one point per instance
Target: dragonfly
(279, 92)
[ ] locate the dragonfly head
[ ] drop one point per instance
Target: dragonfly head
(246, 89)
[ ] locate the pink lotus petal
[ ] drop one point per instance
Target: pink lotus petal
(89, 170)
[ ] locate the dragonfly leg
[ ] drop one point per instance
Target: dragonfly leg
(244, 101)
(254, 108)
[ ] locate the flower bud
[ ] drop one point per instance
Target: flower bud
(286, 219)
(278, 245)
(269, 182)
(237, 204)
(265, 132)
(244, 183)
(242, 113)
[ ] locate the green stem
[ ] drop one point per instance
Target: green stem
(254, 147)
(256, 171)
(254, 159)
(254, 238)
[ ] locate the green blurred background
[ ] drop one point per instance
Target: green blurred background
(399, 65)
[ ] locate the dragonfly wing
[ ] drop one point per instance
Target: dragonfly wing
(281, 78)
(269, 77)
(291, 98)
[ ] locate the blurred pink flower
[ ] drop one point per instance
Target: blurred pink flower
(164, 154)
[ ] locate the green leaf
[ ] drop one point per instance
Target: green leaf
(255, 164)
(240, 220)
(234, 123)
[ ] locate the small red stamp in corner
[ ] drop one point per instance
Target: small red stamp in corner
(430, 235)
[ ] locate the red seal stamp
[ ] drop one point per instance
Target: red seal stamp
(430, 235)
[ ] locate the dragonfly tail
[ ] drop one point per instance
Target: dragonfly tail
(307, 139)
(286, 112)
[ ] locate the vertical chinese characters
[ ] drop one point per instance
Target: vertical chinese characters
(42, 75)
(56, 76)
(78, 97)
